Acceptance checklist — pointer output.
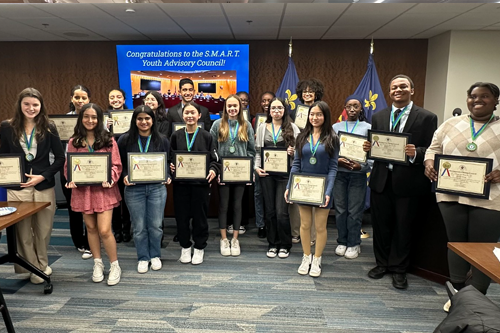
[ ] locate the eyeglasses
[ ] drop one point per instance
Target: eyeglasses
(352, 107)
(277, 108)
(150, 100)
(308, 92)
(243, 100)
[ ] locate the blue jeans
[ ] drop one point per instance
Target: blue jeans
(259, 203)
(349, 200)
(146, 204)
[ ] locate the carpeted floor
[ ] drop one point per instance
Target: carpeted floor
(249, 293)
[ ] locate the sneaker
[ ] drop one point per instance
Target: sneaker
(198, 256)
(115, 273)
(242, 230)
(235, 247)
(156, 264)
(364, 234)
(296, 239)
(81, 249)
(315, 267)
(48, 271)
(305, 265)
(142, 266)
(313, 242)
(225, 247)
(35, 279)
(352, 252)
(284, 253)
(229, 229)
(86, 254)
(340, 250)
(185, 255)
(98, 274)
(447, 306)
(272, 252)
(261, 233)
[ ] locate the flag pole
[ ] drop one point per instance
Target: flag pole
(290, 48)
(371, 46)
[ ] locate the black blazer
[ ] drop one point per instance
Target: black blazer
(174, 115)
(41, 164)
(406, 180)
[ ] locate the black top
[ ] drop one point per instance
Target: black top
(174, 115)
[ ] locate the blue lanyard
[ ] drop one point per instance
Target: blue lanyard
(232, 134)
(395, 123)
(89, 147)
(275, 136)
(313, 149)
(347, 128)
(147, 144)
(190, 143)
(30, 141)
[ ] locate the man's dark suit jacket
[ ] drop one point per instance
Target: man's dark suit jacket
(408, 180)
(174, 115)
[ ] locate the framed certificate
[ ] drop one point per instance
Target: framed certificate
(191, 166)
(275, 161)
(147, 168)
(260, 118)
(237, 170)
(11, 170)
(178, 126)
(246, 115)
(351, 147)
(121, 120)
(65, 124)
(388, 146)
(89, 168)
(301, 115)
(461, 175)
(307, 189)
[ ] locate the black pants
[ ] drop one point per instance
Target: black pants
(230, 194)
(191, 202)
(279, 233)
(121, 218)
(76, 224)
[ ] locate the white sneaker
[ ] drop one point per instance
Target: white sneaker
(86, 254)
(352, 252)
(284, 253)
(98, 274)
(315, 267)
(115, 274)
(142, 266)
(229, 229)
(35, 279)
(48, 271)
(242, 230)
(447, 306)
(156, 264)
(305, 265)
(235, 247)
(272, 252)
(225, 247)
(198, 256)
(185, 255)
(340, 250)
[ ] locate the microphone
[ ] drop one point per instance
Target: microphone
(457, 112)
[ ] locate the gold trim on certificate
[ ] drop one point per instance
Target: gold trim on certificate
(260, 118)
(236, 170)
(275, 160)
(89, 168)
(301, 116)
(191, 166)
(11, 170)
(147, 167)
(388, 146)
(121, 120)
(351, 147)
(65, 125)
(179, 125)
(307, 189)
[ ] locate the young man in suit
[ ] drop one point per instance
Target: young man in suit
(396, 188)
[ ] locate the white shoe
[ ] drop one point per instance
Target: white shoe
(143, 266)
(229, 229)
(115, 274)
(235, 247)
(305, 265)
(340, 250)
(447, 306)
(48, 271)
(86, 254)
(197, 257)
(284, 253)
(156, 264)
(185, 255)
(315, 267)
(352, 252)
(272, 252)
(242, 230)
(98, 274)
(225, 247)
(35, 279)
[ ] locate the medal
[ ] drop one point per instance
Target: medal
(232, 149)
(312, 160)
(275, 136)
(29, 157)
(471, 147)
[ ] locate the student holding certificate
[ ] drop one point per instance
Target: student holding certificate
(30, 134)
(278, 132)
(316, 153)
(235, 137)
(146, 201)
(96, 203)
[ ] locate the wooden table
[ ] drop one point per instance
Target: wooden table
(481, 256)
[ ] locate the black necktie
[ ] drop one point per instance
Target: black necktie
(396, 114)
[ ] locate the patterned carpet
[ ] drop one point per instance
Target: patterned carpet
(249, 293)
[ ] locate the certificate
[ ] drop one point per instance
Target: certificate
(307, 189)
(121, 120)
(245, 115)
(147, 168)
(260, 118)
(65, 124)
(191, 166)
(237, 170)
(275, 161)
(351, 147)
(388, 146)
(89, 168)
(301, 115)
(11, 170)
(178, 126)
(462, 175)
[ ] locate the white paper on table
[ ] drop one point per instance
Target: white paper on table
(496, 252)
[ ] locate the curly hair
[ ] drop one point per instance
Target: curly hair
(103, 138)
(314, 85)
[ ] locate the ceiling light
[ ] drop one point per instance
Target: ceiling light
(129, 10)
(379, 1)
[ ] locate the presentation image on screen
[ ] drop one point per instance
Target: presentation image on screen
(207, 87)
(150, 84)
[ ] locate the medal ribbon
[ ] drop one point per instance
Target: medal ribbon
(190, 143)
(144, 150)
(232, 134)
(313, 149)
(89, 147)
(395, 123)
(475, 134)
(275, 136)
(347, 128)
(30, 141)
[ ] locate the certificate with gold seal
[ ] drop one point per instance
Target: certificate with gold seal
(388, 146)
(147, 168)
(301, 115)
(178, 125)
(191, 166)
(65, 124)
(89, 168)
(462, 175)
(260, 118)
(237, 170)
(275, 161)
(351, 147)
(307, 189)
(121, 120)
(11, 170)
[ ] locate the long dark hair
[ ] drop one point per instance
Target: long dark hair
(133, 132)
(286, 125)
(121, 92)
(75, 88)
(103, 138)
(161, 111)
(328, 137)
